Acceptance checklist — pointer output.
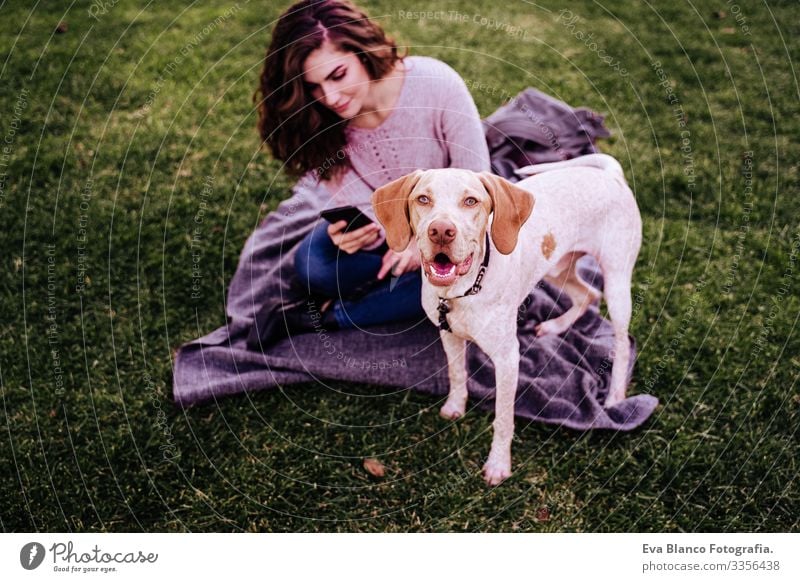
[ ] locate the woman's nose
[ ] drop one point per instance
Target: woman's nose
(330, 96)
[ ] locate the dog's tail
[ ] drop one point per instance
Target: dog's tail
(600, 161)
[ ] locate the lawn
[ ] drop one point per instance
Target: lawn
(118, 131)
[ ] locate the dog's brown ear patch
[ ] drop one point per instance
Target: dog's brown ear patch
(511, 206)
(390, 203)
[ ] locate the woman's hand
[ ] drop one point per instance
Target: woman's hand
(400, 263)
(355, 240)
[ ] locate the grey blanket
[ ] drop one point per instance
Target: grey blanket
(563, 380)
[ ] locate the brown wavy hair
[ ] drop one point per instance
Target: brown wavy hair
(300, 131)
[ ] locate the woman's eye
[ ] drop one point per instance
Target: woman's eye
(470, 201)
(340, 76)
(423, 199)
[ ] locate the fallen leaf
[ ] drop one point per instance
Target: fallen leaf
(374, 467)
(543, 514)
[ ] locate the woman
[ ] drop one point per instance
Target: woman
(343, 110)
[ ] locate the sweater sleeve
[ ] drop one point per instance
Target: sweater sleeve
(461, 126)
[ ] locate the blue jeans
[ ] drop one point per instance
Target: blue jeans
(360, 299)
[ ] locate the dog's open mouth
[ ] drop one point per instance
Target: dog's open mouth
(443, 271)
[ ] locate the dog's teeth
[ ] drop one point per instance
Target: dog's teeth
(436, 273)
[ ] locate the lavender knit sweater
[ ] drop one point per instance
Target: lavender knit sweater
(434, 124)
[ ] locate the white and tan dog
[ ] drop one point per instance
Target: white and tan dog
(474, 283)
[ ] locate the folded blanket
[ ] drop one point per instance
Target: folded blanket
(535, 128)
(563, 380)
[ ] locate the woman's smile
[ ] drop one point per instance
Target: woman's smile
(342, 108)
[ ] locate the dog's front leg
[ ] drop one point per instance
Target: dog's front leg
(505, 356)
(455, 348)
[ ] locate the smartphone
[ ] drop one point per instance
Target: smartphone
(354, 217)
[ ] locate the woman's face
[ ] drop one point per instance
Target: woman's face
(337, 79)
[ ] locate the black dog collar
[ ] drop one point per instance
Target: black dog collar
(444, 304)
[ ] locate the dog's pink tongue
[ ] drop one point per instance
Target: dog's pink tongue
(443, 269)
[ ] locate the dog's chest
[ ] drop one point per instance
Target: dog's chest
(452, 316)
(474, 318)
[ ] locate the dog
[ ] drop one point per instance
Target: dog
(485, 242)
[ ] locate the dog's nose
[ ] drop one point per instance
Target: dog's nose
(442, 232)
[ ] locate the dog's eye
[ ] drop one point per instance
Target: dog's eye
(423, 199)
(470, 201)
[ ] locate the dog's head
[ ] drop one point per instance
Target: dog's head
(448, 211)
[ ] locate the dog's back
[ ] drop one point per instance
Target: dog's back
(587, 201)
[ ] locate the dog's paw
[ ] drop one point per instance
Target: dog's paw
(452, 410)
(495, 472)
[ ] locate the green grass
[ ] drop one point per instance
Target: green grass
(716, 289)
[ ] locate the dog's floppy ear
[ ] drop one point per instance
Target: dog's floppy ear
(390, 203)
(511, 206)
